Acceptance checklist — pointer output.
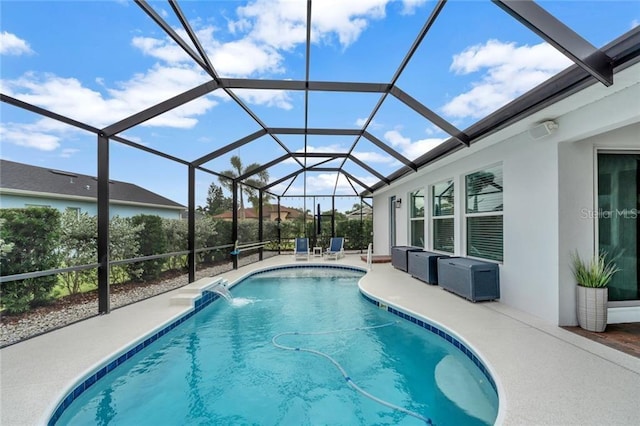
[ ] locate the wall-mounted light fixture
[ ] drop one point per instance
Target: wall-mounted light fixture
(398, 203)
(543, 129)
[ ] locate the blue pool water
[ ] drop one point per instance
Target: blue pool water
(221, 366)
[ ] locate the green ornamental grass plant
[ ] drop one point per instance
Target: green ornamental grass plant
(596, 273)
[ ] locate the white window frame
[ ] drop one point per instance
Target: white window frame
(433, 217)
(465, 215)
(596, 241)
(417, 218)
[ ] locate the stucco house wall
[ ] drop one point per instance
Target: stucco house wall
(548, 182)
(86, 206)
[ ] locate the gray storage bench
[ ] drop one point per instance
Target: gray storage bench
(399, 254)
(423, 265)
(474, 280)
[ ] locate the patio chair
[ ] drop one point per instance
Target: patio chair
(302, 249)
(336, 248)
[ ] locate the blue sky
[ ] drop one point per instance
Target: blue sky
(101, 61)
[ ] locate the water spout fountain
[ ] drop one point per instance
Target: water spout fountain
(222, 290)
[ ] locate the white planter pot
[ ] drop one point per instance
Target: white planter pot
(591, 306)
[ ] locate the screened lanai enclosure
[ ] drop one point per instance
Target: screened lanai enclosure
(264, 120)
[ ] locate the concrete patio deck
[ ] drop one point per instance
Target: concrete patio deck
(546, 375)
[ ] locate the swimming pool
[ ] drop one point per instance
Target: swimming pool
(228, 363)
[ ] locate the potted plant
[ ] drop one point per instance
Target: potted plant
(591, 292)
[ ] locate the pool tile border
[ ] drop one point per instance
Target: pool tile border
(207, 297)
(457, 343)
(200, 303)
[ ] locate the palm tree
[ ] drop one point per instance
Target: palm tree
(260, 179)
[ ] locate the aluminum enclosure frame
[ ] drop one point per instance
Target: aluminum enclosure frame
(592, 65)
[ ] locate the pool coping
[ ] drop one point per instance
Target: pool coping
(109, 364)
(207, 296)
(537, 363)
(466, 348)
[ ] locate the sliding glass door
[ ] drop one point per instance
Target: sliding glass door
(618, 217)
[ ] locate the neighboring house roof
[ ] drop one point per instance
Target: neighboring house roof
(251, 213)
(19, 178)
(366, 212)
(248, 214)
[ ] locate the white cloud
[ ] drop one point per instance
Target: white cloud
(361, 122)
(329, 149)
(235, 58)
(323, 183)
(409, 6)
(509, 71)
(408, 148)
(634, 23)
(10, 44)
(373, 157)
(282, 23)
(163, 49)
(373, 125)
(67, 96)
(243, 58)
(28, 135)
(333, 148)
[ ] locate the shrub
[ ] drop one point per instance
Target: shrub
(35, 235)
(78, 246)
(152, 240)
(177, 232)
(124, 244)
(221, 237)
(247, 231)
(357, 235)
(206, 236)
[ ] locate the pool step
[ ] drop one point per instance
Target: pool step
(197, 287)
(188, 294)
(184, 299)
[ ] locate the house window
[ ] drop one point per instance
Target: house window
(416, 205)
(442, 197)
(484, 214)
(618, 225)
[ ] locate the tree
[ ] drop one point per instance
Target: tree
(216, 201)
(260, 179)
(78, 246)
(355, 208)
(124, 244)
(153, 240)
(34, 233)
(5, 248)
(476, 183)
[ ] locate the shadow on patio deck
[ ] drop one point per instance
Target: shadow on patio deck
(623, 337)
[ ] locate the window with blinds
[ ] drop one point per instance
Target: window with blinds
(442, 197)
(483, 213)
(416, 206)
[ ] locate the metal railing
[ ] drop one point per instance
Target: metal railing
(37, 274)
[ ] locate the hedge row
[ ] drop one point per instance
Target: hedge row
(42, 238)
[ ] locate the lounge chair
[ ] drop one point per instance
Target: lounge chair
(301, 249)
(336, 248)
